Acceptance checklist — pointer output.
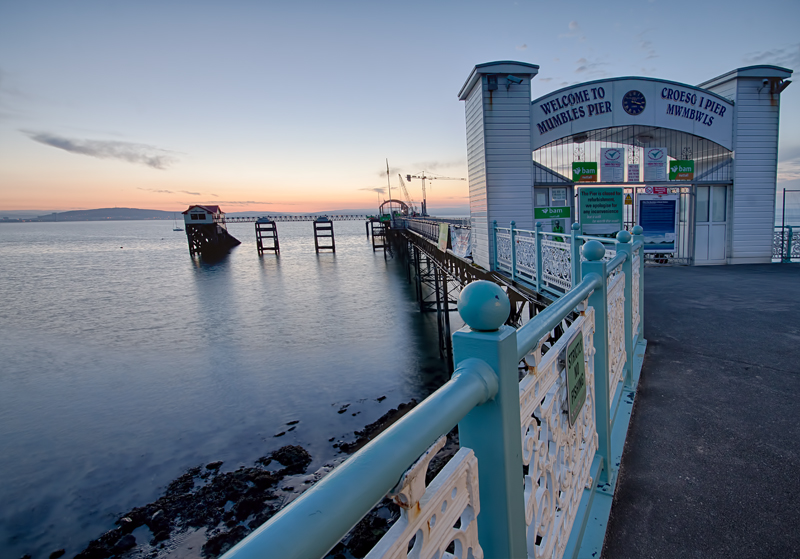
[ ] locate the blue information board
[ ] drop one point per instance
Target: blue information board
(658, 217)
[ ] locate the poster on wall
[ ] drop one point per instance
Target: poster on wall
(584, 171)
(600, 210)
(612, 164)
(633, 172)
(658, 216)
(655, 164)
(460, 238)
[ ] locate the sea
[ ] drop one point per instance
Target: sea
(124, 362)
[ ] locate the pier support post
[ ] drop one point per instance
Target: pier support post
(492, 430)
(638, 236)
(323, 229)
(575, 253)
(594, 251)
(623, 245)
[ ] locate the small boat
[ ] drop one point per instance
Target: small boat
(175, 223)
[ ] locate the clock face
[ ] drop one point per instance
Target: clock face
(633, 102)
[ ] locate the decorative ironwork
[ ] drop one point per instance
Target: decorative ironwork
(504, 249)
(686, 153)
(556, 264)
(428, 515)
(558, 457)
(781, 249)
(526, 256)
(616, 331)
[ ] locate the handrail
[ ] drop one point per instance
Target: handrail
(315, 522)
(616, 261)
(606, 240)
(529, 335)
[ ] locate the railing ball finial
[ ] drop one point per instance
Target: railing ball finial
(637, 230)
(593, 251)
(484, 306)
(576, 226)
(624, 237)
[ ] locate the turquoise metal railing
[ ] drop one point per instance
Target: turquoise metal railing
(497, 434)
(545, 261)
(786, 244)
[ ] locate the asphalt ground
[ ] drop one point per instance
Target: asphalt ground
(711, 466)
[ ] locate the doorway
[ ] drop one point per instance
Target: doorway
(711, 225)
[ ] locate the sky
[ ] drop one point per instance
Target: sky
(271, 106)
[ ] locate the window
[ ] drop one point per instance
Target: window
(199, 217)
(702, 204)
(541, 198)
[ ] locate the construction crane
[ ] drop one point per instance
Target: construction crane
(425, 177)
(411, 204)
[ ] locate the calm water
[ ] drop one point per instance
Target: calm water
(123, 362)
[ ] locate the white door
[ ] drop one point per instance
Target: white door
(711, 229)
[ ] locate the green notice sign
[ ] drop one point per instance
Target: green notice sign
(553, 212)
(576, 377)
(600, 210)
(584, 171)
(681, 170)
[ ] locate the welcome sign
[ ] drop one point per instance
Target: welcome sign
(616, 102)
(584, 171)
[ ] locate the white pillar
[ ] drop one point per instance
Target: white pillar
(499, 155)
(755, 91)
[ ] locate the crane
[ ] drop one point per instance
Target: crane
(411, 205)
(425, 177)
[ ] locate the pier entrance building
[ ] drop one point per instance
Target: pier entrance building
(695, 166)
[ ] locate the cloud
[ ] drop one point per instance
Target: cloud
(545, 79)
(789, 164)
(645, 45)
(591, 69)
(392, 172)
(522, 47)
(433, 165)
(141, 154)
(162, 191)
(246, 202)
(788, 56)
(378, 189)
(574, 31)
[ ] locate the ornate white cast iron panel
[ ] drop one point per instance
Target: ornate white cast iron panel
(635, 278)
(429, 514)
(526, 257)
(616, 331)
(504, 249)
(556, 264)
(558, 457)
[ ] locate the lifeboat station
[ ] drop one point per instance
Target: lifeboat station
(694, 165)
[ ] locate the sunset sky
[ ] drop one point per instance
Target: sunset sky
(295, 106)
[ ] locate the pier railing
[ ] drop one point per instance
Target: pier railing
(534, 452)
(786, 244)
(545, 261)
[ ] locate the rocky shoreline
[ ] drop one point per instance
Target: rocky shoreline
(206, 511)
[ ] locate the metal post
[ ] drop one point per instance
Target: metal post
(575, 253)
(638, 236)
(492, 430)
(623, 245)
(513, 253)
(788, 257)
(538, 256)
(594, 251)
(439, 321)
(494, 247)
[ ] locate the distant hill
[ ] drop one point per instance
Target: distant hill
(107, 214)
